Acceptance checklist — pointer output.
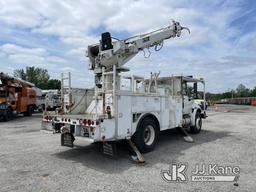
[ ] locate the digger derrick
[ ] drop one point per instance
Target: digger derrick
(136, 111)
(19, 97)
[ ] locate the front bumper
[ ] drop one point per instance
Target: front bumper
(3, 112)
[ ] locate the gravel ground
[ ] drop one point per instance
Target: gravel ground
(31, 160)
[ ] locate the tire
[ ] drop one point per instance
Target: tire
(198, 124)
(146, 136)
(8, 115)
(29, 111)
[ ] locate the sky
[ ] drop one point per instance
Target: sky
(55, 34)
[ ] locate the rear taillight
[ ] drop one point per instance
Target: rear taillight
(89, 122)
(85, 121)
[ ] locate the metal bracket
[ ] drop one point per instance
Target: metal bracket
(186, 136)
(138, 158)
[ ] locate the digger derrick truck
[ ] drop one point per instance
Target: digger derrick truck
(138, 111)
(16, 96)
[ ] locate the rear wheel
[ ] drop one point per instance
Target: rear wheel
(29, 111)
(146, 136)
(198, 124)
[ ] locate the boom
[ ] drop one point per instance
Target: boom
(8, 80)
(107, 53)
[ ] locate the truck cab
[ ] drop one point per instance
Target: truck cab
(193, 93)
(17, 96)
(7, 104)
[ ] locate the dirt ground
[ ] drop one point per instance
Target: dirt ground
(31, 160)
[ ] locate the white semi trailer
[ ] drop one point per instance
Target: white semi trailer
(137, 113)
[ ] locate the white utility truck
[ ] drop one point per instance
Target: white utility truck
(52, 100)
(136, 111)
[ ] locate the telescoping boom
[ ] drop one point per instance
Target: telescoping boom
(107, 53)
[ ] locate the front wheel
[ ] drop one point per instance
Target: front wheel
(8, 115)
(146, 136)
(198, 124)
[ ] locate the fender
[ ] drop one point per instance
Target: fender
(195, 110)
(151, 115)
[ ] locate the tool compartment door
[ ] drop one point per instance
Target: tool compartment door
(124, 115)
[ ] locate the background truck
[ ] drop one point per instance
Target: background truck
(49, 100)
(16, 96)
(136, 111)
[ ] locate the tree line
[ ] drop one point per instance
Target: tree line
(240, 91)
(39, 77)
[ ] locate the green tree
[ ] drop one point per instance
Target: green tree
(20, 73)
(242, 91)
(54, 84)
(253, 92)
(38, 76)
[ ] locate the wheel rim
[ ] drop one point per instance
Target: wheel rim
(198, 123)
(149, 135)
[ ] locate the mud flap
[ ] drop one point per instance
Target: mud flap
(56, 127)
(110, 149)
(67, 139)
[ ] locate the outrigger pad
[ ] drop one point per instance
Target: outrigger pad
(138, 158)
(188, 139)
(185, 134)
(67, 139)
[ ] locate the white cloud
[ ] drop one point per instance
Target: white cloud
(19, 13)
(26, 59)
(212, 49)
(30, 56)
(15, 49)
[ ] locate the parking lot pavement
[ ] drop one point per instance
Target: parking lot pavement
(31, 160)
